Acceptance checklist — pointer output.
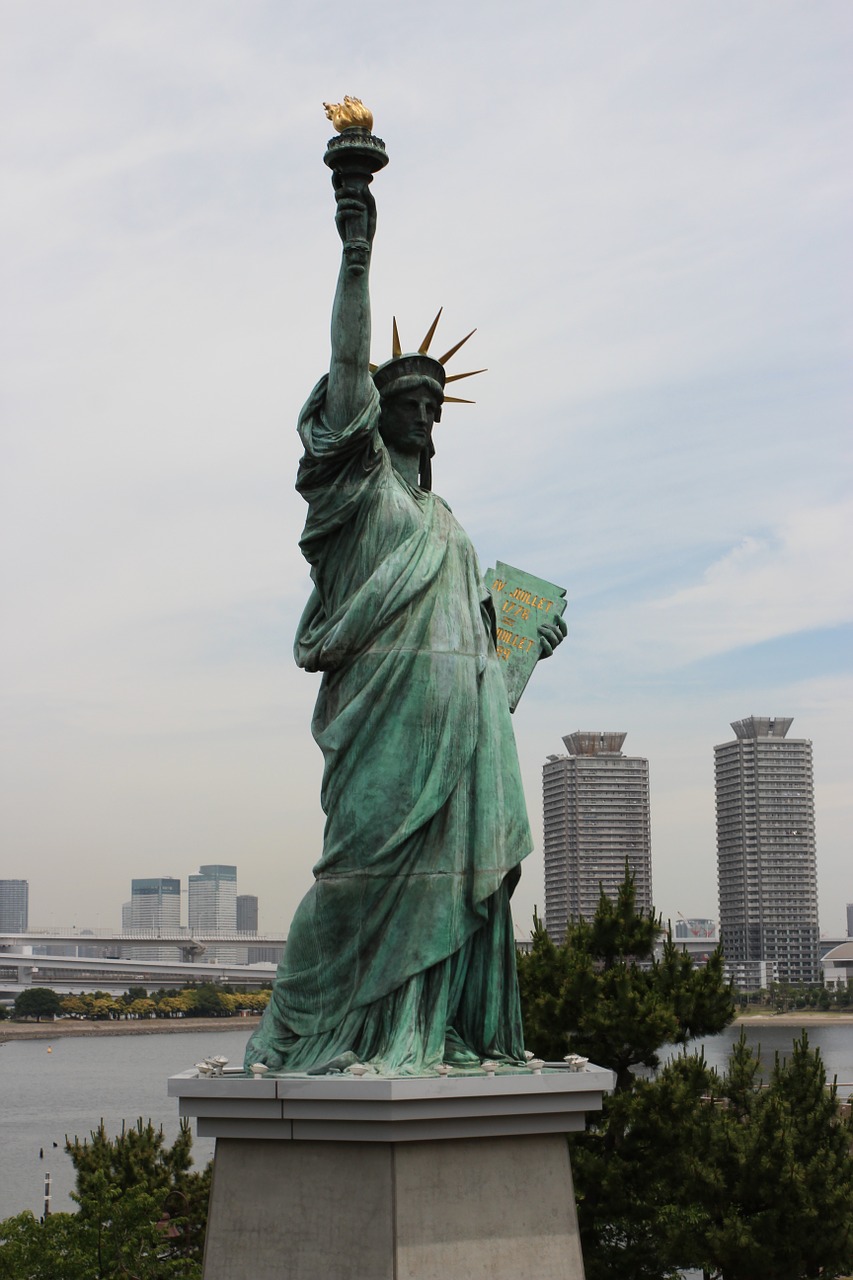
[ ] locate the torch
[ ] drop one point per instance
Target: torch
(354, 155)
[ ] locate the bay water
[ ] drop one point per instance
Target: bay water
(46, 1095)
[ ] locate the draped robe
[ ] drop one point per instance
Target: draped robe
(405, 939)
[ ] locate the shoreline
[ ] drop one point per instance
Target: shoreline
(143, 1027)
(183, 1026)
(805, 1018)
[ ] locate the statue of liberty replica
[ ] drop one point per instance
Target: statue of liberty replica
(401, 956)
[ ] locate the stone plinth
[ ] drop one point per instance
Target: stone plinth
(392, 1179)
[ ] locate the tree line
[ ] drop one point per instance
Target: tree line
(203, 1000)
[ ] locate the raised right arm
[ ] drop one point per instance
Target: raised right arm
(349, 372)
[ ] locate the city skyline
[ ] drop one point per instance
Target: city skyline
(580, 743)
(663, 429)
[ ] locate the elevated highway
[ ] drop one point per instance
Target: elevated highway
(65, 974)
(114, 960)
(191, 943)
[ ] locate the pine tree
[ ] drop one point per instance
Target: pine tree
(604, 995)
(139, 1157)
(687, 1169)
(783, 1155)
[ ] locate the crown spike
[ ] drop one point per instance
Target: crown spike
(457, 400)
(373, 367)
(424, 347)
(454, 377)
(452, 352)
(396, 349)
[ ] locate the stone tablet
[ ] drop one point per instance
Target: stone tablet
(521, 603)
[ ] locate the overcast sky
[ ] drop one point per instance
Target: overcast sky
(644, 206)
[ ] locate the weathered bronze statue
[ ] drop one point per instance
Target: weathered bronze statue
(402, 953)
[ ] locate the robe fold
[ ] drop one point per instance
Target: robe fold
(406, 936)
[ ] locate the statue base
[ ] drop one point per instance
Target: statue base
(392, 1179)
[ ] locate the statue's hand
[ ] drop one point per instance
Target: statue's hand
(550, 635)
(355, 215)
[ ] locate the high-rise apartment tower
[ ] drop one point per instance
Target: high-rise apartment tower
(596, 818)
(14, 905)
(766, 860)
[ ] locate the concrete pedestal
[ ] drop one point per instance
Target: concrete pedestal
(408, 1179)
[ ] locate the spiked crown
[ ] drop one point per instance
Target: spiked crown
(406, 370)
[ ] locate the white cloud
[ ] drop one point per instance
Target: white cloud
(792, 579)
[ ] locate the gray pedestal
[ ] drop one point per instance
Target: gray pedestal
(407, 1179)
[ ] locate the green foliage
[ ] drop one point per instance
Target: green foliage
(114, 1234)
(38, 1003)
(134, 993)
(60, 1246)
(602, 994)
(725, 1175)
(139, 1156)
(142, 1213)
(4, 1013)
(686, 1169)
(209, 1001)
(205, 1001)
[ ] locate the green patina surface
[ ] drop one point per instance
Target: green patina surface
(522, 603)
(402, 953)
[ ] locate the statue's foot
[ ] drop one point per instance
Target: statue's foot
(457, 1052)
(334, 1065)
(257, 1051)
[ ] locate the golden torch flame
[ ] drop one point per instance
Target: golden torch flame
(349, 114)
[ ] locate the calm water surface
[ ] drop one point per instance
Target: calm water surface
(835, 1043)
(46, 1095)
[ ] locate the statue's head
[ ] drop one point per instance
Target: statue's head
(411, 393)
(404, 373)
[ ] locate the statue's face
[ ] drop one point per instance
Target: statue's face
(406, 420)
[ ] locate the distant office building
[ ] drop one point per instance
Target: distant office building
(247, 913)
(766, 858)
(155, 906)
(213, 909)
(14, 905)
(596, 819)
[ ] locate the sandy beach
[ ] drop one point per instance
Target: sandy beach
(804, 1018)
